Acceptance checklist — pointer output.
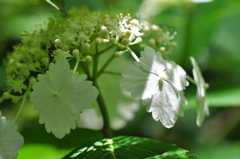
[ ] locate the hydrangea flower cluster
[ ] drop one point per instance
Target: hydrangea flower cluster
(79, 33)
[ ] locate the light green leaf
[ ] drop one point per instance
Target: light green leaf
(129, 147)
(61, 95)
(58, 4)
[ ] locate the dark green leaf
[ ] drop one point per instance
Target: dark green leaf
(128, 147)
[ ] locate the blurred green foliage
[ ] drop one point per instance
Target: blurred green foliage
(207, 31)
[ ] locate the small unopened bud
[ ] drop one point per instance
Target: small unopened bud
(112, 40)
(26, 73)
(70, 40)
(75, 52)
(88, 58)
(154, 28)
(98, 40)
(105, 33)
(125, 42)
(58, 42)
(45, 61)
(162, 49)
(152, 42)
(6, 95)
(86, 46)
(32, 80)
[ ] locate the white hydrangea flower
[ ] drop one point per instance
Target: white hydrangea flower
(201, 100)
(61, 95)
(10, 139)
(159, 83)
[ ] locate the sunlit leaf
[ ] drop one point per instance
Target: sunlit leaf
(128, 147)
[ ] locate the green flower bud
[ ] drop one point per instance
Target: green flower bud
(152, 42)
(58, 42)
(112, 40)
(125, 42)
(6, 95)
(26, 73)
(32, 80)
(98, 40)
(70, 40)
(45, 61)
(75, 52)
(86, 46)
(162, 49)
(105, 33)
(88, 58)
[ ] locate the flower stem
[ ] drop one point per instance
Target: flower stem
(133, 55)
(76, 66)
(106, 49)
(22, 103)
(191, 80)
(105, 65)
(106, 125)
(106, 130)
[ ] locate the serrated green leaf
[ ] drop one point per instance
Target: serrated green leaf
(58, 4)
(129, 147)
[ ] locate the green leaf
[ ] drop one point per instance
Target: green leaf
(129, 147)
(61, 95)
(58, 4)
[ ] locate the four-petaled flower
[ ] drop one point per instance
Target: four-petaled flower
(61, 95)
(201, 100)
(10, 139)
(159, 83)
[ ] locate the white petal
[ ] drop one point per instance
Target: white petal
(176, 75)
(152, 61)
(197, 75)
(166, 104)
(201, 100)
(202, 108)
(139, 82)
